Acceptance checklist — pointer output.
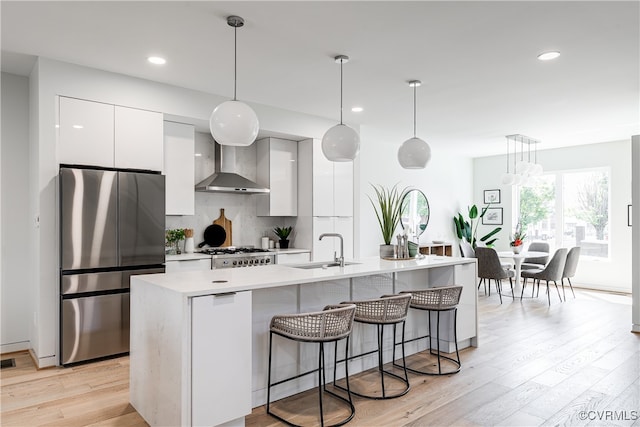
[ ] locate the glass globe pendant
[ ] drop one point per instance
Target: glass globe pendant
(234, 122)
(414, 153)
(341, 143)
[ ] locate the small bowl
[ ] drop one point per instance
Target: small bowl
(413, 249)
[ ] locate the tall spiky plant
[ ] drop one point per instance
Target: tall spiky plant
(388, 209)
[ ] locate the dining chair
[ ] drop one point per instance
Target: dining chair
(570, 268)
(551, 273)
(536, 262)
(489, 267)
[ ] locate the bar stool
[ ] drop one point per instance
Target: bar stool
(331, 325)
(386, 310)
(440, 299)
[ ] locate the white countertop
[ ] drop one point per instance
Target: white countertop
(196, 283)
(290, 251)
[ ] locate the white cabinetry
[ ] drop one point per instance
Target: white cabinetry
(138, 139)
(332, 185)
(325, 202)
(188, 265)
(323, 250)
(86, 133)
(179, 164)
(97, 134)
(297, 258)
(220, 358)
(277, 169)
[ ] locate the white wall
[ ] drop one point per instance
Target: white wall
(15, 297)
(51, 78)
(613, 274)
(446, 181)
(635, 155)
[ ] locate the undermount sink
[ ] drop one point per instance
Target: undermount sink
(322, 265)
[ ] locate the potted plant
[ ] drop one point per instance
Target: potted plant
(173, 239)
(517, 239)
(283, 234)
(388, 207)
(465, 230)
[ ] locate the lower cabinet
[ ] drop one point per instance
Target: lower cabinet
(188, 265)
(293, 258)
(220, 358)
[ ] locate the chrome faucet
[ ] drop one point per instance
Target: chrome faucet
(335, 258)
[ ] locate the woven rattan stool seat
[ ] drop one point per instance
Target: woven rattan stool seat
(443, 298)
(329, 325)
(386, 310)
(438, 300)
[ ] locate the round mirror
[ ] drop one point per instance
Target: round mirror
(415, 212)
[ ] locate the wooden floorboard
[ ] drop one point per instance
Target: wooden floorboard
(536, 365)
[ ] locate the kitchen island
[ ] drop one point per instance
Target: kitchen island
(199, 339)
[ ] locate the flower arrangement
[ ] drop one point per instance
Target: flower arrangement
(518, 236)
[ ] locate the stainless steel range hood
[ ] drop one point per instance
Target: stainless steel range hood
(225, 180)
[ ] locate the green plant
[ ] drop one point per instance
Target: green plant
(388, 209)
(282, 232)
(466, 230)
(175, 235)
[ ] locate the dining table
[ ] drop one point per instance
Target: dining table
(518, 259)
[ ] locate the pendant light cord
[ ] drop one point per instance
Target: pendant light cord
(414, 110)
(235, 61)
(341, 62)
(507, 155)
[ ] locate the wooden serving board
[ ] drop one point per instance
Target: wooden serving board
(225, 223)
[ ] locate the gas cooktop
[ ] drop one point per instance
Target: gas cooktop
(234, 251)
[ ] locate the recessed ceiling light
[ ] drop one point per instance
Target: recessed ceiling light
(546, 56)
(157, 60)
(357, 109)
(78, 126)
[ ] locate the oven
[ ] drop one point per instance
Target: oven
(239, 257)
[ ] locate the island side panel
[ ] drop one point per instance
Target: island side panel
(159, 385)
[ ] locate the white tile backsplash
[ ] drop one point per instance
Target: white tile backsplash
(247, 227)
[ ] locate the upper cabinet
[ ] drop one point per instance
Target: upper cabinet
(332, 184)
(86, 133)
(179, 152)
(98, 134)
(277, 169)
(138, 139)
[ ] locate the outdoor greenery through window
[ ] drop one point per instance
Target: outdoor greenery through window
(568, 209)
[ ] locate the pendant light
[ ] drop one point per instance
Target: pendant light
(341, 143)
(414, 153)
(508, 178)
(234, 122)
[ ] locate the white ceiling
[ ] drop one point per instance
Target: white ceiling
(477, 60)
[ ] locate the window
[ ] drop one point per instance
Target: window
(569, 209)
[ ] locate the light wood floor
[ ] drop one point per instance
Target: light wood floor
(536, 365)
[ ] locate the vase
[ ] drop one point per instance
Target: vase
(516, 249)
(189, 245)
(284, 244)
(387, 251)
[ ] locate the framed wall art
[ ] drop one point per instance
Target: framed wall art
(491, 196)
(493, 216)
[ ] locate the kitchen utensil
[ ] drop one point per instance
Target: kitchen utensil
(214, 235)
(225, 223)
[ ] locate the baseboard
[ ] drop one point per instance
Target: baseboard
(42, 362)
(610, 289)
(14, 347)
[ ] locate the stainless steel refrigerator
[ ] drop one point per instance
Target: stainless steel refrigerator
(111, 227)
